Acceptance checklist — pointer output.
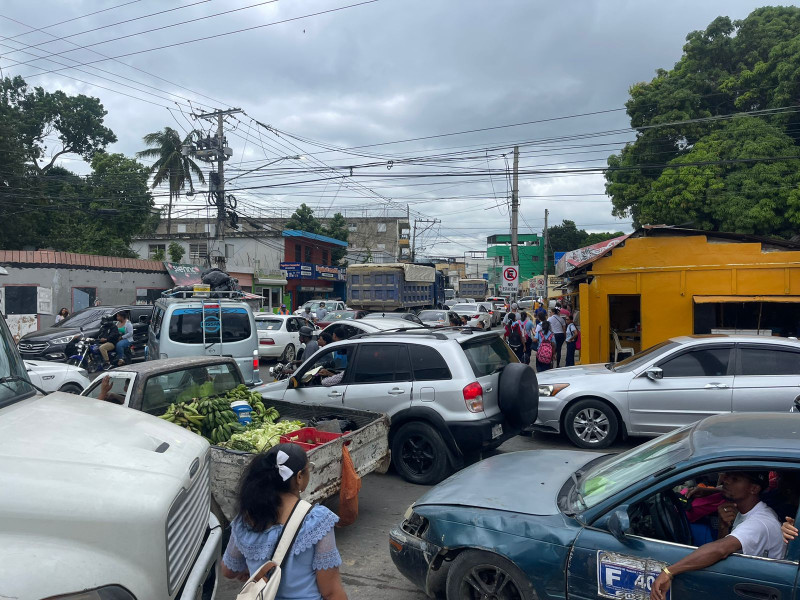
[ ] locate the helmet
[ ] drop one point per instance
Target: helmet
(306, 331)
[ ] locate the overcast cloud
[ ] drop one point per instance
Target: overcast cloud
(382, 72)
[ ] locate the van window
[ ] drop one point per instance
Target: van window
(187, 326)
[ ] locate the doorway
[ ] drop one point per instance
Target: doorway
(625, 319)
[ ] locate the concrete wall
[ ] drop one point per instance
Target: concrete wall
(111, 287)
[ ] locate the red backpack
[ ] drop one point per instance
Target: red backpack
(544, 354)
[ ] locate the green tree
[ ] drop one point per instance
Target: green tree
(748, 65)
(176, 252)
(337, 229)
(171, 166)
(565, 237)
(303, 219)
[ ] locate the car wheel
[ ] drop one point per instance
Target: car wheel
(420, 454)
(591, 424)
(518, 394)
(476, 574)
(71, 388)
(288, 354)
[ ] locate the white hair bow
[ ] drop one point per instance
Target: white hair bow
(285, 472)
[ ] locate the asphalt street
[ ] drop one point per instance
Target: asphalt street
(367, 570)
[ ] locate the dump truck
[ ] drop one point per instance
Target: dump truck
(394, 287)
(473, 288)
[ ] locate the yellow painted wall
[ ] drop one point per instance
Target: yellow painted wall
(667, 272)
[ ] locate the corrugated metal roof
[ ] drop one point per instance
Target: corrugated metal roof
(313, 236)
(48, 258)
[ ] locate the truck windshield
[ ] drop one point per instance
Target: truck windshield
(628, 468)
(16, 384)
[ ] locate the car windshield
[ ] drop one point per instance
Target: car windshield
(637, 360)
(83, 317)
(268, 324)
(432, 315)
(628, 468)
(16, 385)
(465, 307)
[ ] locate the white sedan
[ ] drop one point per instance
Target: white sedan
(57, 377)
(475, 313)
(279, 335)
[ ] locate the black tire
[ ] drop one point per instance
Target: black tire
(419, 454)
(71, 388)
(518, 394)
(287, 356)
(591, 423)
(477, 574)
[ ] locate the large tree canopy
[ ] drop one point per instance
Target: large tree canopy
(567, 236)
(718, 172)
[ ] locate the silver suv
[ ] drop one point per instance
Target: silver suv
(450, 393)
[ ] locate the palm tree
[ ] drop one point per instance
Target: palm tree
(171, 165)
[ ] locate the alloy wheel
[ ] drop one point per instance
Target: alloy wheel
(418, 454)
(289, 353)
(489, 582)
(591, 425)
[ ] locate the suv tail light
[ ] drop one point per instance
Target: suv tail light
(473, 397)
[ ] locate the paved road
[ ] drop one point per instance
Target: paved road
(367, 571)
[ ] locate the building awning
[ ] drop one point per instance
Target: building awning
(719, 299)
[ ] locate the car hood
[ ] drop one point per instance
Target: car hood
(522, 482)
(44, 366)
(567, 374)
(274, 390)
(49, 333)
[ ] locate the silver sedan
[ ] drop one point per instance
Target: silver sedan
(669, 385)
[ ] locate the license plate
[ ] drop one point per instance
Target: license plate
(497, 431)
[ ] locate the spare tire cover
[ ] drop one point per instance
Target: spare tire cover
(518, 394)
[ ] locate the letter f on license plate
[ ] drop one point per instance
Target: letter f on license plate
(626, 577)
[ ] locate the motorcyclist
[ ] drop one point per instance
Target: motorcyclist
(108, 338)
(311, 347)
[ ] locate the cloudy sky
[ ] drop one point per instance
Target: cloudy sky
(385, 87)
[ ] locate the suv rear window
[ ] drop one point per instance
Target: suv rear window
(428, 364)
(488, 354)
(186, 325)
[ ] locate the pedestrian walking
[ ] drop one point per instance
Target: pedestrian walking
(572, 342)
(62, 314)
(269, 493)
(528, 326)
(544, 354)
(515, 336)
(558, 326)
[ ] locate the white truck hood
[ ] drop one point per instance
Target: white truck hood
(85, 487)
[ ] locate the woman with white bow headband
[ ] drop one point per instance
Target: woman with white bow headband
(270, 490)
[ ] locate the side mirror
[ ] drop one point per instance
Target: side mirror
(619, 523)
(654, 373)
(293, 382)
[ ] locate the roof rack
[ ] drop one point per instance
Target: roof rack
(435, 333)
(230, 295)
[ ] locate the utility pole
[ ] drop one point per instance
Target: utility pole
(546, 241)
(218, 152)
(431, 223)
(515, 210)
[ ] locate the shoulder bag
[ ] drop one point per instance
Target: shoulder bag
(264, 584)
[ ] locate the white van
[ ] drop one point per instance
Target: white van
(187, 325)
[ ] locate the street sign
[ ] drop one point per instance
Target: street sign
(510, 283)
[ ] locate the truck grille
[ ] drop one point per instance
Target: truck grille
(186, 523)
(32, 348)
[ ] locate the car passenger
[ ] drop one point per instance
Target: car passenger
(747, 525)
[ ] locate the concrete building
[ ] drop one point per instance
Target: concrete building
(309, 271)
(40, 283)
(531, 254)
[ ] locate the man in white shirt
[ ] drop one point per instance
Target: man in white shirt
(559, 328)
(755, 530)
(321, 312)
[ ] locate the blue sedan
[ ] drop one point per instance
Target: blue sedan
(569, 524)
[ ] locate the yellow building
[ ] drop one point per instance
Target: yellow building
(662, 282)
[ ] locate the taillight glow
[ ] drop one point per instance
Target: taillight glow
(256, 363)
(266, 342)
(473, 397)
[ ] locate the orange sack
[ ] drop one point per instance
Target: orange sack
(348, 495)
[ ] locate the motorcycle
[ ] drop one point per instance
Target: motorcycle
(87, 355)
(280, 371)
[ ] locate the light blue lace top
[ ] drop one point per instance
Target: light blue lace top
(314, 550)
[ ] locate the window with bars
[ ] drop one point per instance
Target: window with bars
(198, 253)
(154, 249)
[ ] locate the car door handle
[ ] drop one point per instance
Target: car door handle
(396, 391)
(488, 389)
(716, 386)
(335, 395)
(761, 592)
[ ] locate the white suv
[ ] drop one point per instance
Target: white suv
(450, 393)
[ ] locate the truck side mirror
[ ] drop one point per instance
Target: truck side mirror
(619, 523)
(654, 373)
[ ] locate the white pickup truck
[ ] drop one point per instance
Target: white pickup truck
(98, 502)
